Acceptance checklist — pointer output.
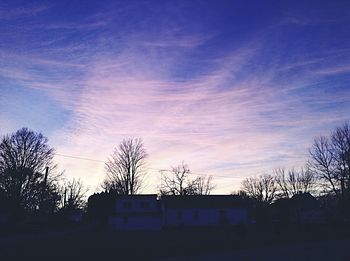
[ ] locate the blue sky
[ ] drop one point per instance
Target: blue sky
(233, 88)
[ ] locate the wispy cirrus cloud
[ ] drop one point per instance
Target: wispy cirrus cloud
(229, 107)
(8, 12)
(239, 126)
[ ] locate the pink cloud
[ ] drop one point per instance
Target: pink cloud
(216, 122)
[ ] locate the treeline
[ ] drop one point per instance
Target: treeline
(30, 181)
(326, 175)
(125, 174)
(32, 185)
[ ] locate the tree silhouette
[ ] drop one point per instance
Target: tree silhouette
(341, 147)
(125, 167)
(330, 160)
(203, 185)
(27, 174)
(262, 188)
(72, 195)
(180, 182)
(292, 182)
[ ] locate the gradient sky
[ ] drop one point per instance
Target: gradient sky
(233, 88)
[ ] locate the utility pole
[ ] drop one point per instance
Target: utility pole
(45, 178)
(43, 188)
(161, 177)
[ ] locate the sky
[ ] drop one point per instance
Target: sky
(232, 88)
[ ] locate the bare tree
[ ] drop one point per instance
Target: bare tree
(262, 188)
(330, 160)
(73, 195)
(204, 185)
(323, 163)
(27, 174)
(180, 182)
(341, 150)
(125, 167)
(292, 182)
(177, 182)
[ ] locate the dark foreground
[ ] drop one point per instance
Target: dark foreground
(316, 250)
(255, 243)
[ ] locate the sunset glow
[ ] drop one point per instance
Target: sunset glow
(233, 90)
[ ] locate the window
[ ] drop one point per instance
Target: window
(145, 204)
(127, 205)
(125, 219)
(196, 215)
(223, 217)
(179, 215)
(223, 213)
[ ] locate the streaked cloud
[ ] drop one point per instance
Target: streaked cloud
(228, 105)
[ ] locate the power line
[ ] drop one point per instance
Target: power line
(80, 158)
(160, 170)
(199, 173)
